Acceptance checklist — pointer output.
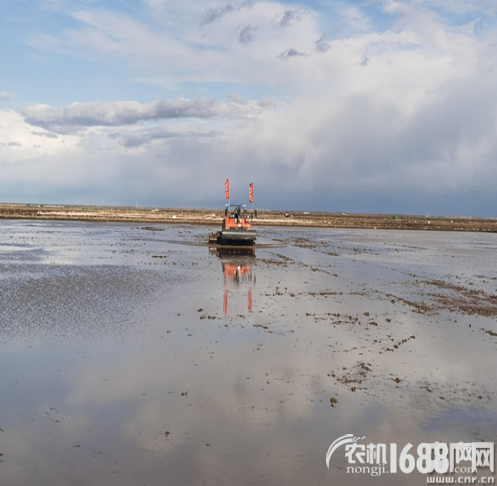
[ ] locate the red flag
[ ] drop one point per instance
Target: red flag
(227, 189)
(251, 193)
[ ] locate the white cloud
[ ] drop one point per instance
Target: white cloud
(354, 18)
(409, 108)
(215, 13)
(247, 34)
(291, 17)
(119, 113)
(488, 7)
(322, 45)
(291, 53)
(5, 95)
(239, 43)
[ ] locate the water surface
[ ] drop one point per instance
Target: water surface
(130, 357)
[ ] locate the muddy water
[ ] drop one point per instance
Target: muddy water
(129, 357)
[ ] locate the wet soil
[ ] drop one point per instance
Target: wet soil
(132, 354)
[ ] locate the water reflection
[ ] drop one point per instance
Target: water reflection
(237, 271)
(121, 368)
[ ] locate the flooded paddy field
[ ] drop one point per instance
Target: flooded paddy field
(132, 354)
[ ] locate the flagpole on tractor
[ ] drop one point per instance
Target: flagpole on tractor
(227, 193)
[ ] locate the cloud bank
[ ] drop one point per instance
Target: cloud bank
(352, 108)
(120, 113)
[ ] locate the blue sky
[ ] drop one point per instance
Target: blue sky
(379, 106)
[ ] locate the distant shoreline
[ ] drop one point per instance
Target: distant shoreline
(265, 218)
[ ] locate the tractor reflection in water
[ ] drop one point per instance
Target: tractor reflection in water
(237, 271)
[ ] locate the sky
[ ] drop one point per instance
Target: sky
(374, 106)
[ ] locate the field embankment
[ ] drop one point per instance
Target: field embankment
(265, 218)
